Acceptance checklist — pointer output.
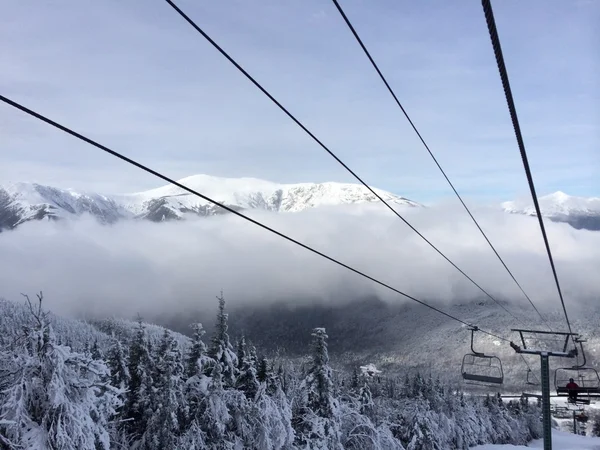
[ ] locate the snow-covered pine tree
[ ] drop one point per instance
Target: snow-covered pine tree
(197, 358)
(270, 421)
(319, 382)
(241, 351)
(354, 382)
(221, 350)
(95, 351)
(137, 410)
(316, 417)
(214, 417)
(53, 397)
(262, 372)
(366, 400)
(169, 406)
(246, 380)
(596, 426)
(119, 372)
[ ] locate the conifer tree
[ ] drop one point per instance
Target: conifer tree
(52, 397)
(168, 409)
(246, 380)
(316, 421)
(119, 372)
(354, 383)
(366, 399)
(262, 372)
(596, 426)
(95, 352)
(241, 351)
(319, 380)
(221, 350)
(140, 394)
(196, 359)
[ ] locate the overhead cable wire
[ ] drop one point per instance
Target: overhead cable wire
(231, 210)
(393, 94)
(331, 153)
(491, 25)
(528, 367)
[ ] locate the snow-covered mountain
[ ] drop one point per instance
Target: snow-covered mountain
(579, 212)
(21, 202)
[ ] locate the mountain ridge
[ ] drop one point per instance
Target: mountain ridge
(22, 202)
(579, 212)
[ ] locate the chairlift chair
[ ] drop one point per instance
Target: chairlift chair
(479, 368)
(530, 378)
(587, 379)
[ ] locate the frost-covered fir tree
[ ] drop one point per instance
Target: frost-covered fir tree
(197, 358)
(270, 421)
(214, 417)
(262, 371)
(316, 417)
(246, 381)
(52, 397)
(137, 409)
(366, 399)
(95, 351)
(319, 384)
(169, 405)
(221, 350)
(119, 372)
(596, 426)
(355, 382)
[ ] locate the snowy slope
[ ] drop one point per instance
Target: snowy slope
(580, 212)
(21, 202)
(560, 441)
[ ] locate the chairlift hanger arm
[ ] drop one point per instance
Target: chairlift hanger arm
(563, 353)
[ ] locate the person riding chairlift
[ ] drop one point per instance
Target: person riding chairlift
(572, 387)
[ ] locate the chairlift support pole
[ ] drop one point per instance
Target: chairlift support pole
(546, 416)
(545, 374)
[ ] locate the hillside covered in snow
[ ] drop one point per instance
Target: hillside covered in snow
(579, 212)
(22, 202)
(67, 385)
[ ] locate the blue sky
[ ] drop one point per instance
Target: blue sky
(133, 75)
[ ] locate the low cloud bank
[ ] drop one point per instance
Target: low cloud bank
(166, 268)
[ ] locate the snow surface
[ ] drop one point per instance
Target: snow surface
(560, 441)
(255, 193)
(557, 204)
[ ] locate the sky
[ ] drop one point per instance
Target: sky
(136, 77)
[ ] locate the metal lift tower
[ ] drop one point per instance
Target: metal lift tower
(545, 370)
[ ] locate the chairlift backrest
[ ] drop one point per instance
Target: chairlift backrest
(480, 368)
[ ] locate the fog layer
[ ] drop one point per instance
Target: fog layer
(87, 268)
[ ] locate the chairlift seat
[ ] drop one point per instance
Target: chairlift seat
(481, 368)
(586, 377)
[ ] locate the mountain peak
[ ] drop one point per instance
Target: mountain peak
(581, 212)
(558, 195)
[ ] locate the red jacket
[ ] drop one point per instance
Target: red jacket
(572, 386)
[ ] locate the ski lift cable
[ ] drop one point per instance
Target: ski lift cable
(331, 153)
(491, 25)
(393, 94)
(528, 366)
(232, 210)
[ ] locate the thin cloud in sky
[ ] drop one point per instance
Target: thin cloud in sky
(137, 77)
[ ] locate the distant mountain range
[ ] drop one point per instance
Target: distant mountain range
(579, 212)
(22, 202)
